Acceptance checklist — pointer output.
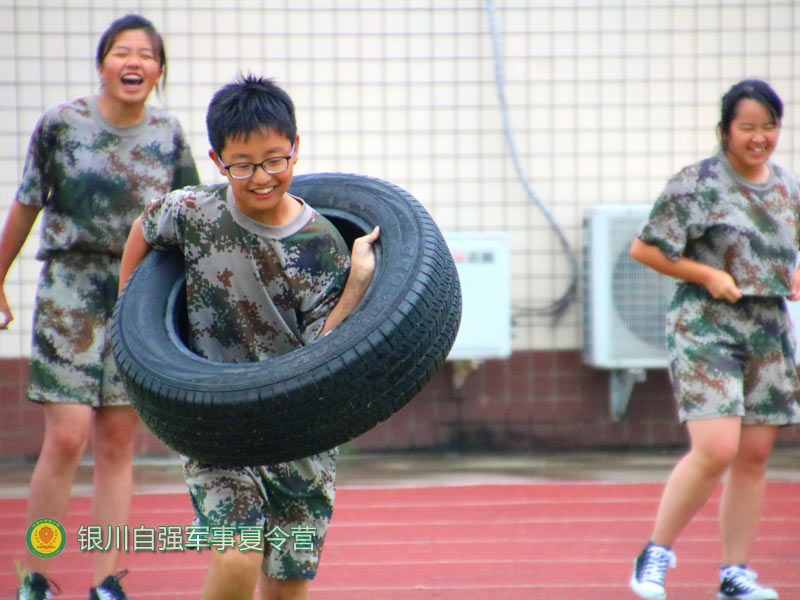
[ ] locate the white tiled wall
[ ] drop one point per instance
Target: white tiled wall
(607, 99)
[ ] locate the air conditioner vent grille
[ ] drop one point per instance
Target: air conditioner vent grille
(640, 296)
(625, 303)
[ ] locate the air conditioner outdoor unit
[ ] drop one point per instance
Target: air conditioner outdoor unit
(624, 302)
(483, 260)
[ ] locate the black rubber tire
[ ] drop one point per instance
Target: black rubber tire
(321, 395)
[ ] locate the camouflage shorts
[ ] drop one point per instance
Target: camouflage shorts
(732, 359)
(291, 502)
(71, 358)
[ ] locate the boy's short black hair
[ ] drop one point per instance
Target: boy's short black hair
(247, 105)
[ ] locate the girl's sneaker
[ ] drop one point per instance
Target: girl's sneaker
(649, 569)
(737, 582)
(35, 586)
(110, 589)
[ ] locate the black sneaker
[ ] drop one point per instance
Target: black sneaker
(35, 586)
(649, 569)
(110, 589)
(739, 583)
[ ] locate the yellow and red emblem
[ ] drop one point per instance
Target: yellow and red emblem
(46, 538)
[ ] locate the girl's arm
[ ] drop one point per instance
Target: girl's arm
(718, 283)
(795, 295)
(18, 225)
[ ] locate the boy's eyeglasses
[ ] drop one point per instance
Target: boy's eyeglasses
(273, 166)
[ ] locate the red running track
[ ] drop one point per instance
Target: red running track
(535, 541)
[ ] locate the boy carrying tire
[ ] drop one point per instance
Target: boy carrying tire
(265, 274)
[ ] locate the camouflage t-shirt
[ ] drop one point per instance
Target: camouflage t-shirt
(710, 214)
(253, 290)
(92, 178)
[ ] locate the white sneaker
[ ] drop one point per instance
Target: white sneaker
(737, 582)
(649, 569)
(34, 587)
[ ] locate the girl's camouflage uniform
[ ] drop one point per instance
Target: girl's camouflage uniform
(731, 359)
(255, 291)
(91, 179)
